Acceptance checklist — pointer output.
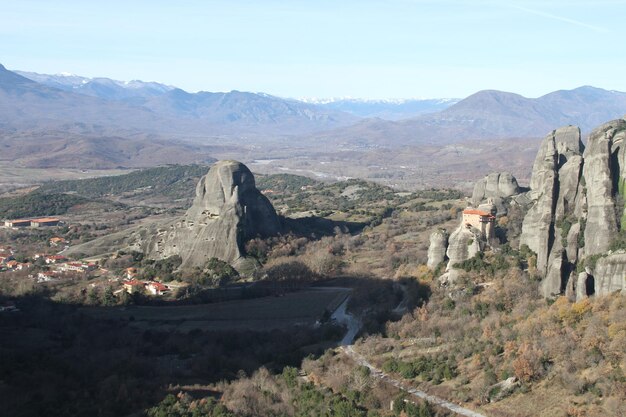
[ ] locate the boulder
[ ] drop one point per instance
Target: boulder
(495, 185)
(437, 248)
(503, 389)
(227, 211)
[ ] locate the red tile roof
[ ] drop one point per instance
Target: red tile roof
(158, 286)
(46, 219)
(475, 211)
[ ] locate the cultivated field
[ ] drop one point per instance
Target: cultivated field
(267, 313)
(12, 177)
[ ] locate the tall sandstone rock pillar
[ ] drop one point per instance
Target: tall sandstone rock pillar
(576, 194)
(227, 211)
(602, 172)
(556, 194)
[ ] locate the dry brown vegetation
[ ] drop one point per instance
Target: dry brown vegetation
(503, 328)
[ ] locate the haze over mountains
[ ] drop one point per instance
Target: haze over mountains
(69, 120)
(389, 109)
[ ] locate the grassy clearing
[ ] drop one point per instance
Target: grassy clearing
(299, 308)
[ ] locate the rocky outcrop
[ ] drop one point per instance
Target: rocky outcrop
(437, 248)
(497, 185)
(578, 209)
(227, 211)
(603, 172)
(609, 274)
(463, 244)
(556, 193)
(584, 285)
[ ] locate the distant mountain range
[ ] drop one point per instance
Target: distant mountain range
(490, 114)
(389, 109)
(104, 105)
(116, 123)
(105, 88)
(139, 92)
(107, 106)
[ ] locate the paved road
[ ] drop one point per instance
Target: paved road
(353, 324)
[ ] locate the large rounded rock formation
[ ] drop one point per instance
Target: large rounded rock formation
(228, 210)
(497, 185)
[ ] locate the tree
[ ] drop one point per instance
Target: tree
(108, 298)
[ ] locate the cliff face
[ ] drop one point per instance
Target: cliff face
(577, 203)
(227, 211)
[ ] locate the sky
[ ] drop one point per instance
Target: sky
(324, 48)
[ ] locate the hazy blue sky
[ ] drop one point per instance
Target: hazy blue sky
(322, 48)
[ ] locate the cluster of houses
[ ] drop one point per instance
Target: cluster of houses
(8, 262)
(41, 222)
(133, 285)
(59, 265)
(151, 287)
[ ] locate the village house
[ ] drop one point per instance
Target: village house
(53, 259)
(22, 265)
(133, 285)
(77, 267)
(156, 288)
(46, 276)
(12, 264)
(72, 267)
(41, 222)
(480, 220)
(45, 221)
(131, 273)
(17, 223)
(56, 241)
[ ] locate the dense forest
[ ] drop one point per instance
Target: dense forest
(172, 180)
(37, 205)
